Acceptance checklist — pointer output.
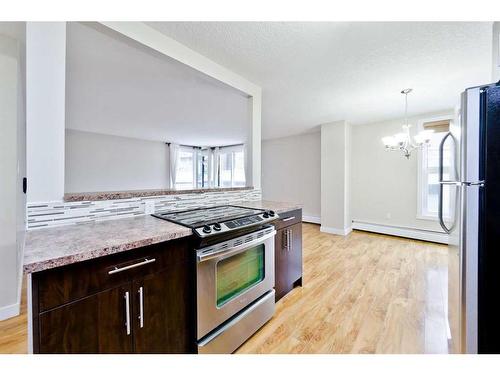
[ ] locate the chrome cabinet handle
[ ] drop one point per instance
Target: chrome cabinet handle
(285, 239)
(289, 218)
(143, 263)
(127, 312)
(141, 307)
(290, 240)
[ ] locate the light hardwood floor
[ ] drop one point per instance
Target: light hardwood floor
(363, 293)
(14, 331)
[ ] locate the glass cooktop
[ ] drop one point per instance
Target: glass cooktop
(203, 216)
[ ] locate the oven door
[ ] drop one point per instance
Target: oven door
(231, 275)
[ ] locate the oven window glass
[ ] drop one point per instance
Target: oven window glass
(239, 273)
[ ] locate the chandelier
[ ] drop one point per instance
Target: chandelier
(403, 141)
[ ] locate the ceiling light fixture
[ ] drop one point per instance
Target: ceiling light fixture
(402, 141)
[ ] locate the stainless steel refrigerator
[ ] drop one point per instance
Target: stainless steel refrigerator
(474, 228)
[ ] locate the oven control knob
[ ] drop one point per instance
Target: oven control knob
(206, 229)
(271, 213)
(217, 227)
(265, 215)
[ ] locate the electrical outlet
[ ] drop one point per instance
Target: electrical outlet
(150, 207)
(388, 215)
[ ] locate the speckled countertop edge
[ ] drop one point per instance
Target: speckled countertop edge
(112, 195)
(277, 207)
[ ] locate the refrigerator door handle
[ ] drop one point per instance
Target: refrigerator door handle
(441, 184)
(454, 183)
(475, 183)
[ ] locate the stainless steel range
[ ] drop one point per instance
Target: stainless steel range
(235, 273)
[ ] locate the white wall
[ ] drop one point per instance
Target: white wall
(154, 39)
(147, 95)
(335, 182)
(45, 98)
(384, 184)
(495, 68)
(99, 162)
(291, 172)
(12, 166)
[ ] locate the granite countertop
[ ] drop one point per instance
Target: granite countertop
(269, 205)
(107, 195)
(59, 246)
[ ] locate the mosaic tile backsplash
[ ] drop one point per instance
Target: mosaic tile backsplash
(42, 215)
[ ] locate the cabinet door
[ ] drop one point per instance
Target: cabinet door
(280, 261)
(294, 254)
(95, 324)
(288, 259)
(163, 312)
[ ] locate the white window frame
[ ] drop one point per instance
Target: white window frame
(193, 153)
(233, 149)
(421, 179)
(213, 164)
(200, 153)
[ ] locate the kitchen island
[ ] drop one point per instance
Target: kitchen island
(87, 286)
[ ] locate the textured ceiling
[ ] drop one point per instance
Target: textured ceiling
(317, 72)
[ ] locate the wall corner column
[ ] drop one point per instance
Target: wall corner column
(335, 178)
(45, 110)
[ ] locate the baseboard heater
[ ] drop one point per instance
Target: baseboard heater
(418, 234)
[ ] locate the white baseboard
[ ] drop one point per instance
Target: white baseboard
(10, 311)
(337, 231)
(311, 219)
(418, 234)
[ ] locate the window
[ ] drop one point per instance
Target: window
(428, 171)
(194, 167)
(232, 167)
(202, 168)
(185, 169)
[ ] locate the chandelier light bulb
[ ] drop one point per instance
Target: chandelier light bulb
(400, 137)
(403, 141)
(389, 141)
(419, 139)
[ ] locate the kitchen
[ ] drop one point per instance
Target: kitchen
(173, 187)
(154, 236)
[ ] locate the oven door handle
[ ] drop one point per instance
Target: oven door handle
(235, 249)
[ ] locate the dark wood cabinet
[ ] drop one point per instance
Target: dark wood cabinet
(288, 253)
(95, 324)
(160, 313)
(146, 307)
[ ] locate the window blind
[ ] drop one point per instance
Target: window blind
(438, 126)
